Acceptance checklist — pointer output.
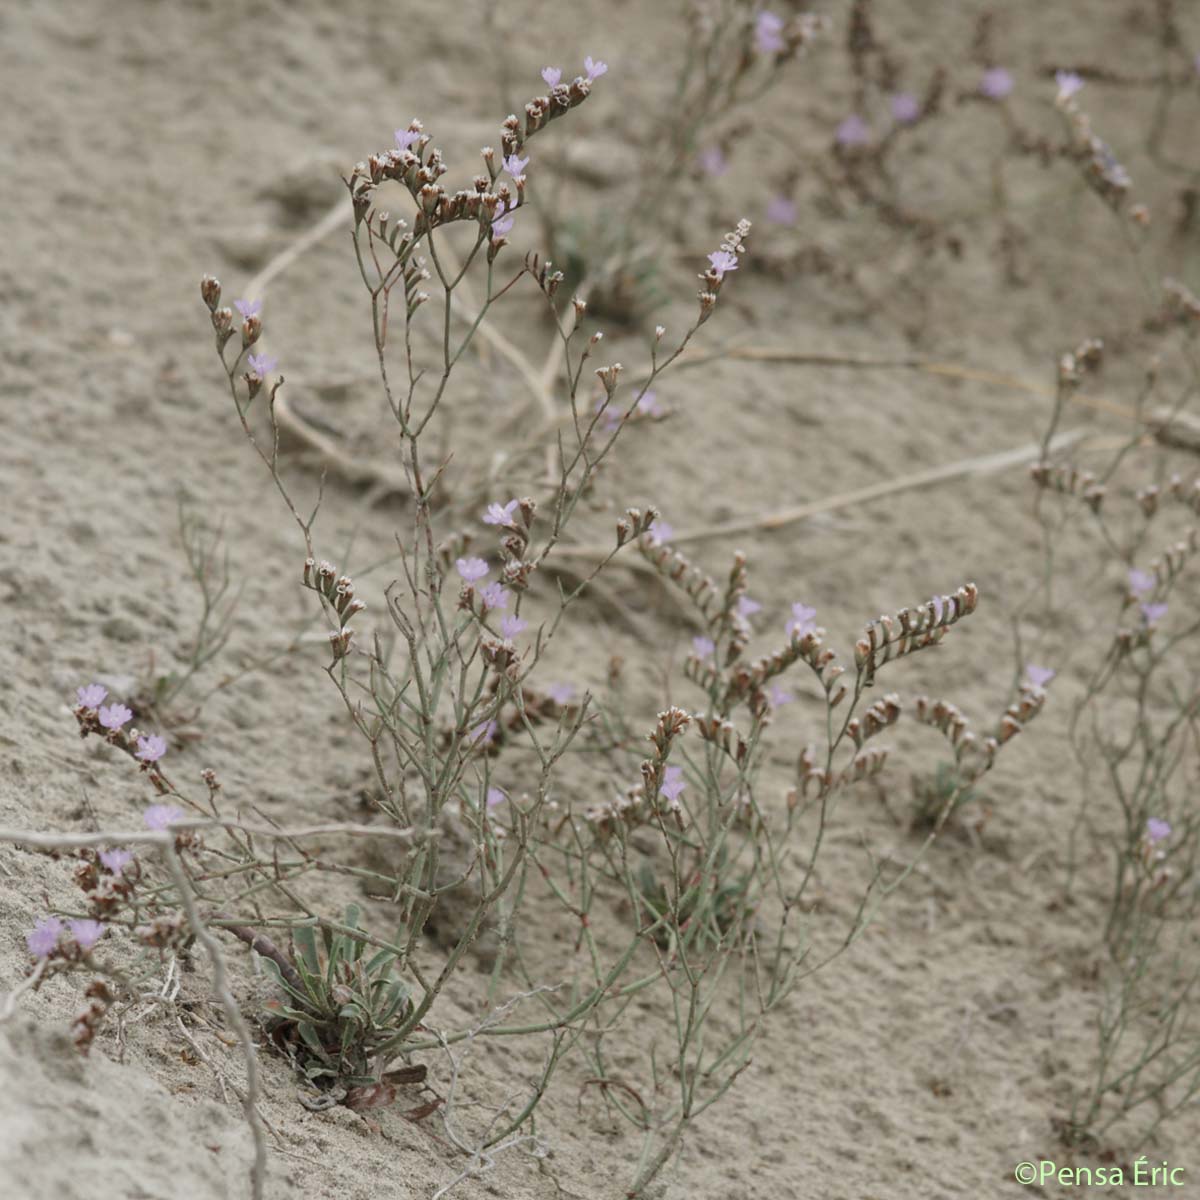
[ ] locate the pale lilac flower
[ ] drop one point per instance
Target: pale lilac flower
(853, 131)
(500, 514)
(746, 607)
(594, 69)
(802, 620)
(673, 784)
(494, 595)
(722, 261)
(713, 161)
(906, 108)
(248, 308)
(471, 569)
(406, 137)
(660, 531)
(1068, 84)
(1157, 830)
(649, 406)
(115, 861)
(511, 626)
(42, 939)
(261, 365)
(1038, 677)
(767, 30)
(703, 647)
(159, 816)
(552, 76)
(561, 693)
(152, 748)
(495, 796)
(782, 211)
(113, 716)
(1154, 613)
(515, 165)
(1141, 582)
(996, 83)
(485, 732)
(91, 696)
(778, 696)
(86, 933)
(500, 223)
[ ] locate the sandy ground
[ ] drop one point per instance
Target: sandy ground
(144, 145)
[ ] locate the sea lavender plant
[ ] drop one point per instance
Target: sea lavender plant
(684, 882)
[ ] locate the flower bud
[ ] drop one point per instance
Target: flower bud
(210, 292)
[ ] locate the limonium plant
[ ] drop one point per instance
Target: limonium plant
(678, 883)
(1132, 721)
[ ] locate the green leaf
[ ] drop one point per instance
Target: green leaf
(309, 1036)
(306, 942)
(380, 962)
(272, 969)
(394, 999)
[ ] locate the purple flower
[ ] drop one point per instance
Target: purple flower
(767, 30)
(152, 748)
(406, 137)
(778, 696)
(782, 211)
(471, 569)
(561, 693)
(115, 861)
(494, 595)
(248, 308)
(1068, 84)
(906, 108)
(484, 733)
(43, 937)
(1154, 613)
(713, 161)
(996, 83)
(722, 261)
(852, 131)
(703, 647)
(660, 531)
(91, 696)
(1141, 582)
(113, 716)
(802, 620)
(746, 607)
(1038, 677)
(159, 816)
(500, 223)
(86, 933)
(594, 69)
(673, 784)
(515, 166)
(1157, 830)
(511, 626)
(500, 514)
(649, 406)
(261, 365)
(551, 75)
(495, 796)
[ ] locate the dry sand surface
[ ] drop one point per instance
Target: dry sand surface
(146, 143)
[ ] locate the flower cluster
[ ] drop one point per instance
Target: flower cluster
(109, 721)
(720, 262)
